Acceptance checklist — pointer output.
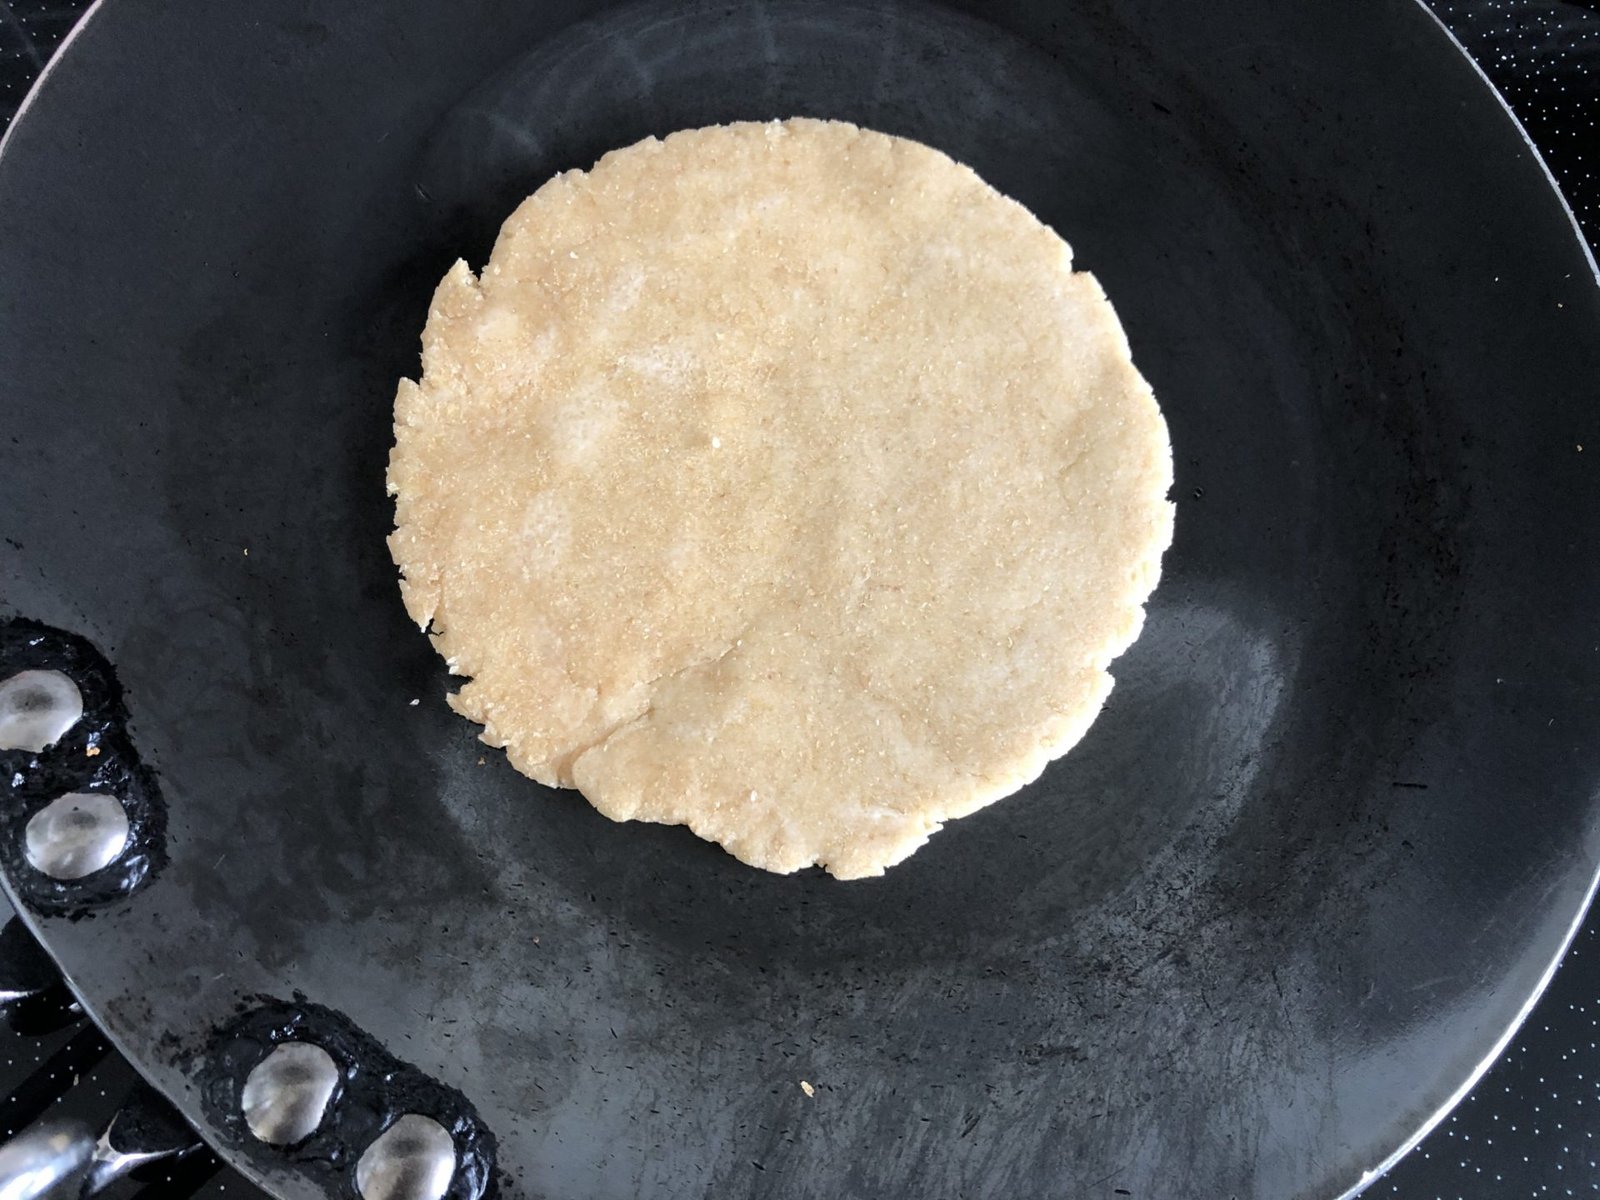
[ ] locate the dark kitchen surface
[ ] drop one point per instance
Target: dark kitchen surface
(1528, 1128)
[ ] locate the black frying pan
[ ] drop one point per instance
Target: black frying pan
(1248, 940)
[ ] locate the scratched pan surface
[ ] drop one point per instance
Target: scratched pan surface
(1271, 916)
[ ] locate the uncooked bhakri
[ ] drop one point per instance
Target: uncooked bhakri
(782, 481)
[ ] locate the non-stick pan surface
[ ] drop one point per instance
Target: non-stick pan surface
(1299, 881)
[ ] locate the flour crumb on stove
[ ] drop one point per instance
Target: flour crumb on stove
(807, 1088)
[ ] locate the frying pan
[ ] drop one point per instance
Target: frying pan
(1250, 939)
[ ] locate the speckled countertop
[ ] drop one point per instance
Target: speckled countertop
(1529, 1128)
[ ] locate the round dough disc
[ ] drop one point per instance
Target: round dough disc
(783, 481)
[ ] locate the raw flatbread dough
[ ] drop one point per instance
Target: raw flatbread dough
(782, 481)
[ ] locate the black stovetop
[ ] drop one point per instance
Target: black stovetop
(1528, 1129)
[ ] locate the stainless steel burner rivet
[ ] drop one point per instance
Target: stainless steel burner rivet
(287, 1092)
(413, 1159)
(36, 709)
(76, 835)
